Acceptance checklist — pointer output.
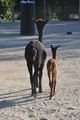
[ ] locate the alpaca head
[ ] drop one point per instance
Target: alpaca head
(40, 23)
(53, 49)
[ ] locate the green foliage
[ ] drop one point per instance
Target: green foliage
(8, 15)
(55, 9)
(6, 6)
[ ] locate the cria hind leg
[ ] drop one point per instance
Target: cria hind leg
(50, 84)
(51, 90)
(54, 86)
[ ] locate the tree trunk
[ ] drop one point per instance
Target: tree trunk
(44, 9)
(79, 8)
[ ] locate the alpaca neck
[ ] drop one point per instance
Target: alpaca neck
(40, 36)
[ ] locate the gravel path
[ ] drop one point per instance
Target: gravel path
(15, 100)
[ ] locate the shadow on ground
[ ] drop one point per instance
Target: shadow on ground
(19, 98)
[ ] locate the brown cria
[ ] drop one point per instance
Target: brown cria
(52, 71)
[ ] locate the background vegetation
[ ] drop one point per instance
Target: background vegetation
(50, 9)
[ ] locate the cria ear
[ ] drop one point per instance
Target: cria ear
(51, 47)
(55, 47)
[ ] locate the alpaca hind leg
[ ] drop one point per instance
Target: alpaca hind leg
(29, 65)
(41, 71)
(35, 78)
(40, 77)
(40, 81)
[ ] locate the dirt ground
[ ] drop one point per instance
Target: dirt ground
(16, 102)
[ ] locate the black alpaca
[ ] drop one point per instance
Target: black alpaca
(35, 55)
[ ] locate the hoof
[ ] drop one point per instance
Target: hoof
(50, 97)
(40, 91)
(53, 93)
(34, 93)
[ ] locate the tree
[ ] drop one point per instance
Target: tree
(51, 9)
